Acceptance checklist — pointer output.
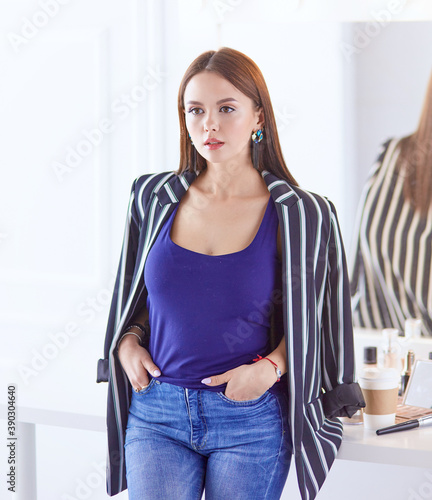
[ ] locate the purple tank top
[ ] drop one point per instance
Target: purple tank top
(210, 313)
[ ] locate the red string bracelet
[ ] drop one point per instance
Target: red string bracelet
(278, 371)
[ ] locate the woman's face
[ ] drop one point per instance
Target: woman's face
(220, 119)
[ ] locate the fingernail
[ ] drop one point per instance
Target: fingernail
(156, 373)
(206, 381)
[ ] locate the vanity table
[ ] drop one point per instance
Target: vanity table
(408, 448)
(395, 466)
(67, 397)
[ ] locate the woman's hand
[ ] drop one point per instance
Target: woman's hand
(246, 381)
(136, 362)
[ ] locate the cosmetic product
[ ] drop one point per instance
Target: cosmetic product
(370, 357)
(409, 363)
(391, 353)
(412, 332)
(413, 328)
(409, 424)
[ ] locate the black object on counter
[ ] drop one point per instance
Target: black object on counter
(370, 355)
(404, 426)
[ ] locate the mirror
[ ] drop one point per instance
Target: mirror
(391, 259)
(419, 389)
(392, 68)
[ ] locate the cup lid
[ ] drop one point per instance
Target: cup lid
(379, 374)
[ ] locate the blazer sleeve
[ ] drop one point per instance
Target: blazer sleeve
(123, 281)
(342, 395)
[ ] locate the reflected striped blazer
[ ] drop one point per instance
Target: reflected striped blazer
(390, 271)
(314, 316)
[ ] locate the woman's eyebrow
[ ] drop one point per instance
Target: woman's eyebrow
(228, 99)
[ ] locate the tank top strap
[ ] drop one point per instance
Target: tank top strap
(267, 232)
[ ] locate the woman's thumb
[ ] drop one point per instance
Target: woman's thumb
(152, 368)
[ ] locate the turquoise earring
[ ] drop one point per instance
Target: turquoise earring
(194, 160)
(257, 136)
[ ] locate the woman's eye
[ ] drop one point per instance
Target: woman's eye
(199, 111)
(195, 111)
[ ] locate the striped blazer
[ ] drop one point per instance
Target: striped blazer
(314, 316)
(390, 269)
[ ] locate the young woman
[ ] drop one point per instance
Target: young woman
(231, 310)
(391, 270)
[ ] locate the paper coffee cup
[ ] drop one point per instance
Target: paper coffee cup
(380, 390)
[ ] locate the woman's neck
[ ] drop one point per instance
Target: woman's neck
(222, 181)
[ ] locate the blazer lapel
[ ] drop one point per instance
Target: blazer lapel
(160, 207)
(281, 191)
(294, 286)
(156, 212)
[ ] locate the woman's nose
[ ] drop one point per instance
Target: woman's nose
(210, 123)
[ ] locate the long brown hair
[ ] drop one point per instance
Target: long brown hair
(245, 75)
(415, 159)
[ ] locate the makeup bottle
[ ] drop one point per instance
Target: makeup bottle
(412, 332)
(406, 375)
(391, 353)
(413, 328)
(370, 354)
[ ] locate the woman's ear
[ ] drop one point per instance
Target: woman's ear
(260, 117)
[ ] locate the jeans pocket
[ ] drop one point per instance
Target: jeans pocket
(247, 402)
(146, 388)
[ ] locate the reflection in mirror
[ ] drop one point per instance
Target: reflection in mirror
(391, 268)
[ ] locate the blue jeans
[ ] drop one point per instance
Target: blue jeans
(181, 441)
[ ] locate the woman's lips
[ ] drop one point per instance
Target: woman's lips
(213, 145)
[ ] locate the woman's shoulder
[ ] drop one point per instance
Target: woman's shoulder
(166, 186)
(316, 206)
(315, 202)
(144, 188)
(317, 211)
(386, 148)
(151, 180)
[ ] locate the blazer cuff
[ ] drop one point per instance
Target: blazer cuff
(102, 370)
(343, 401)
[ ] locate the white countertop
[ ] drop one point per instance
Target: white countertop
(410, 448)
(65, 393)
